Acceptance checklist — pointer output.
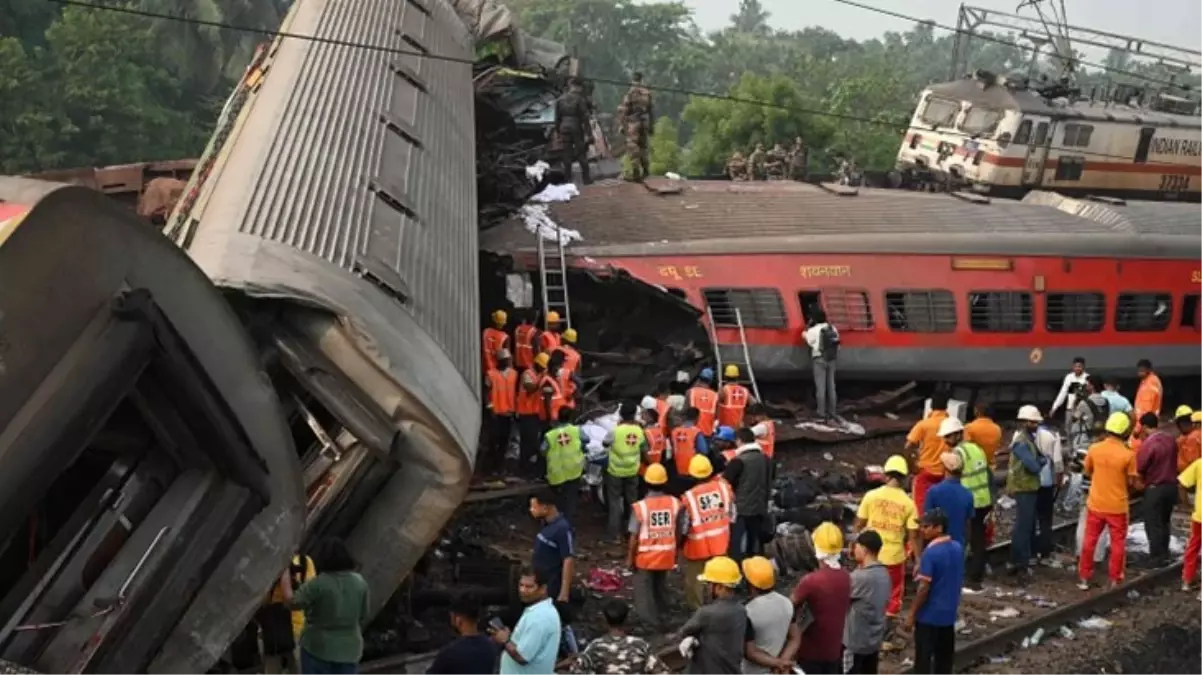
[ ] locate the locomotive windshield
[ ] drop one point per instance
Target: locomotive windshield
(939, 111)
(981, 121)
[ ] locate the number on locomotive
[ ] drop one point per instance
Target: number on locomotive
(1174, 182)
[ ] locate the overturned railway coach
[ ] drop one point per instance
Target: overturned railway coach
(947, 287)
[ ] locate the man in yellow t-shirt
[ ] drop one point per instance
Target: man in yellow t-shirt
(890, 512)
(279, 653)
(1191, 479)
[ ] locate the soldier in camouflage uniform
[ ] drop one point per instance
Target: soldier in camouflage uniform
(776, 163)
(755, 163)
(736, 167)
(617, 653)
(634, 119)
(797, 160)
(572, 128)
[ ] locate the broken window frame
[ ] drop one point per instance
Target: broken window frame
(937, 305)
(1075, 312)
(1135, 312)
(1191, 315)
(1001, 311)
(759, 307)
(847, 308)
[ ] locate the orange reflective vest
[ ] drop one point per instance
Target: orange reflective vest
(523, 338)
(731, 405)
(768, 442)
(661, 409)
(502, 391)
(494, 340)
(548, 341)
(1147, 398)
(657, 517)
(567, 387)
(729, 454)
(530, 402)
(571, 358)
(684, 446)
(708, 506)
(706, 403)
(657, 445)
(557, 400)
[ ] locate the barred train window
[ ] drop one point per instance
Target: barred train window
(999, 311)
(921, 311)
(1191, 317)
(759, 307)
(1143, 312)
(1076, 312)
(847, 308)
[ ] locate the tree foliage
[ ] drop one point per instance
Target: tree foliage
(665, 147)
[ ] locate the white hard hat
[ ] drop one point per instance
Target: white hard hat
(949, 426)
(648, 403)
(1029, 413)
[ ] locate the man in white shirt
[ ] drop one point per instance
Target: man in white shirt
(823, 341)
(1075, 379)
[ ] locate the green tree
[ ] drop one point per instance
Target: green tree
(665, 147)
(751, 18)
(27, 122)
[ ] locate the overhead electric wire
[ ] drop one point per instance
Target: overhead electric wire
(601, 80)
(1008, 43)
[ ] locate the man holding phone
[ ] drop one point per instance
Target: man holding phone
(534, 642)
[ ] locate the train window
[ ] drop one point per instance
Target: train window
(758, 307)
(1143, 312)
(1041, 133)
(1023, 135)
(1190, 316)
(1075, 312)
(939, 111)
(847, 308)
(1077, 135)
(921, 311)
(999, 311)
(981, 121)
(1069, 168)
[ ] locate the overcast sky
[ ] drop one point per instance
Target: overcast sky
(1176, 22)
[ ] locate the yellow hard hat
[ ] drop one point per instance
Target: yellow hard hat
(1196, 417)
(552, 317)
(569, 335)
(499, 317)
(542, 360)
(700, 467)
(721, 570)
(828, 538)
(760, 572)
(1183, 411)
(897, 464)
(731, 371)
(1118, 423)
(656, 474)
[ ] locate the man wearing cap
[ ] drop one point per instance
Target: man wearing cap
(723, 448)
(501, 389)
(716, 636)
(1189, 440)
(777, 636)
(709, 508)
(1022, 484)
(494, 339)
(826, 593)
(655, 529)
(703, 397)
(891, 513)
(937, 603)
(627, 444)
(733, 399)
(1111, 466)
(549, 339)
(975, 475)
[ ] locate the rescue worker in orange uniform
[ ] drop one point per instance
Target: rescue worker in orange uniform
(495, 339)
(501, 385)
(550, 339)
(709, 509)
(538, 402)
(764, 428)
(703, 397)
(569, 383)
(657, 451)
(1150, 393)
(524, 337)
(567, 344)
(1189, 443)
(926, 447)
(733, 399)
(687, 440)
(655, 530)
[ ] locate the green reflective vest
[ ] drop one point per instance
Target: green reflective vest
(1018, 478)
(625, 453)
(977, 476)
(565, 454)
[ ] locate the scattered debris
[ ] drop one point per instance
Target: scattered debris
(1095, 623)
(1005, 613)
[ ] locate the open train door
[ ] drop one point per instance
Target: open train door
(1039, 135)
(149, 489)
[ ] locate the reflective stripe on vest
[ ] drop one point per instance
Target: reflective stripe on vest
(657, 532)
(708, 506)
(571, 358)
(657, 445)
(565, 455)
(548, 342)
(684, 446)
(567, 386)
(624, 453)
(529, 402)
(556, 399)
(523, 337)
(768, 442)
(706, 403)
(661, 408)
(977, 476)
(494, 340)
(503, 391)
(732, 404)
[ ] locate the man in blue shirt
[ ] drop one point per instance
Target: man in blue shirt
(951, 497)
(534, 643)
(1118, 402)
(933, 614)
(554, 554)
(472, 652)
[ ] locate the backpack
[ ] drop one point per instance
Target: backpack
(1100, 414)
(828, 342)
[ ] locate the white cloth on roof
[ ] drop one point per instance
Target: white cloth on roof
(535, 171)
(539, 223)
(557, 193)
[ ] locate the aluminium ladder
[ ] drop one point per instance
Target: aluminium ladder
(713, 330)
(553, 278)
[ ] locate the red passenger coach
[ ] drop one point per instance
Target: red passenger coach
(922, 286)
